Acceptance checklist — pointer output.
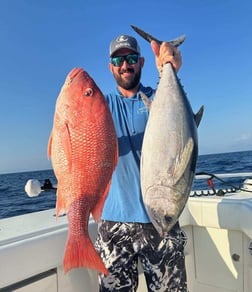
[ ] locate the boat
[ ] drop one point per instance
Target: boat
(218, 246)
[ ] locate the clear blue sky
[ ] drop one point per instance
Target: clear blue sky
(41, 41)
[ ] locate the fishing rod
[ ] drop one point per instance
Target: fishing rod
(247, 184)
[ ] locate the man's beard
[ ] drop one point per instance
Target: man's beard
(129, 83)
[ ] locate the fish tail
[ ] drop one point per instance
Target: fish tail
(81, 253)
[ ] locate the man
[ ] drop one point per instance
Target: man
(126, 233)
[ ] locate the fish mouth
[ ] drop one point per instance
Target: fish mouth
(162, 207)
(163, 222)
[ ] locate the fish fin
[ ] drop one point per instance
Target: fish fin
(116, 155)
(80, 252)
(49, 147)
(66, 144)
(146, 100)
(176, 42)
(184, 159)
(97, 210)
(60, 203)
(199, 115)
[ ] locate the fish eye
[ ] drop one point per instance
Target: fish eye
(89, 92)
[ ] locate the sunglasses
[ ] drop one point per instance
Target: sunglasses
(130, 59)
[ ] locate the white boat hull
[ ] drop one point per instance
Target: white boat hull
(218, 249)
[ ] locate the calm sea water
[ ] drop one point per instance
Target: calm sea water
(14, 201)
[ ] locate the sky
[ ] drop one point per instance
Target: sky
(41, 41)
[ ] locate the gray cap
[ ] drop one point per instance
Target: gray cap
(124, 41)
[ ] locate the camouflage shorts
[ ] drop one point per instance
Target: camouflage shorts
(121, 245)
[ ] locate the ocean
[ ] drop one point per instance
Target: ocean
(14, 200)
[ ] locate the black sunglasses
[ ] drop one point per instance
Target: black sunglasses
(130, 59)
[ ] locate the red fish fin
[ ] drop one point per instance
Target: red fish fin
(66, 143)
(97, 210)
(49, 147)
(116, 156)
(60, 203)
(58, 208)
(81, 253)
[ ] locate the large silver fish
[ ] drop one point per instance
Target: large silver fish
(169, 152)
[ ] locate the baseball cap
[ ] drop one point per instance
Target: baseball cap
(124, 41)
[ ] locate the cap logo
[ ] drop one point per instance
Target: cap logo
(122, 38)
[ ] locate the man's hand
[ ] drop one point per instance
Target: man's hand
(166, 53)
